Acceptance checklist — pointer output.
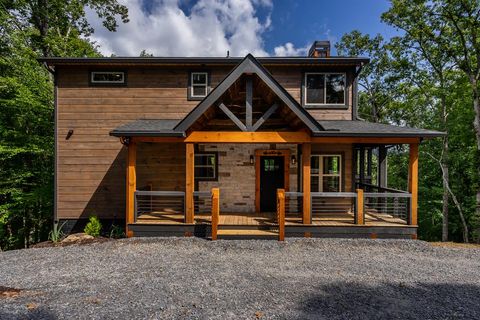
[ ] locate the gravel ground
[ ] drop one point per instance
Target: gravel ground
(189, 278)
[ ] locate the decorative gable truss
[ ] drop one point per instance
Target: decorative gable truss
(237, 90)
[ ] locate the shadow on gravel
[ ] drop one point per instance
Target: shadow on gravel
(392, 301)
(37, 314)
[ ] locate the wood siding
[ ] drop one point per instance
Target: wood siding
(92, 165)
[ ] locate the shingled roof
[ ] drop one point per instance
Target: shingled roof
(333, 128)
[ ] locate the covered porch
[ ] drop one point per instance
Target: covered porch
(366, 209)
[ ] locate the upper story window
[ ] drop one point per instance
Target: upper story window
(326, 173)
(324, 89)
(198, 85)
(107, 77)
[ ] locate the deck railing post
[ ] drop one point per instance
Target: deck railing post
(189, 183)
(281, 214)
(215, 211)
(359, 208)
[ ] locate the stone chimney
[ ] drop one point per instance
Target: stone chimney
(319, 49)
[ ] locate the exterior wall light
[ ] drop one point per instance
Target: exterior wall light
(294, 160)
(251, 159)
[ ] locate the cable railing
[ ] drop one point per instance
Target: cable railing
(156, 203)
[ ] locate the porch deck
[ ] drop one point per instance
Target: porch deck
(372, 219)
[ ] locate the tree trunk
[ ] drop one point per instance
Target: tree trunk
(476, 125)
(445, 170)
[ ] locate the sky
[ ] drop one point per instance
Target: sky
(213, 27)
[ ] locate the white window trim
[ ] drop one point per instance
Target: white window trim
(92, 76)
(197, 84)
(320, 173)
(325, 91)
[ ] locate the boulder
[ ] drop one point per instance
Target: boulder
(77, 237)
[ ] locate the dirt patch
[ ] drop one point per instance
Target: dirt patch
(6, 292)
(456, 245)
(49, 244)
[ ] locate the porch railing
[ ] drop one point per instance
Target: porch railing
(334, 205)
(293, 204)
(388, 206)
(202, 202)
(159, 203)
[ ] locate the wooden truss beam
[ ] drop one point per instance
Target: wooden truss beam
(247, 137)
(264, 117)
(232, 117)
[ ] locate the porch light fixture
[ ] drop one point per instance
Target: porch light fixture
(251, 159)
(294, 160)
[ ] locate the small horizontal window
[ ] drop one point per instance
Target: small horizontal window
(324, 88)
(198, 84)
(107, 77)
(206, 166)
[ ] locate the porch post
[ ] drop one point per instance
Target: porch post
(413, 183)
(190, 182)
(306, 152)
(382, 166)
(131, 185)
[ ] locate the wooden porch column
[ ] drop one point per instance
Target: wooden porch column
(131, 185)
(306, 152)
(413, 183)
(382, 166)
(190, 182)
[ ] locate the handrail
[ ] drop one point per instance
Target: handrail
(387, 194)
(333, 194)
(159, 193)
(381, 188)
(281, 214)
(215, 212)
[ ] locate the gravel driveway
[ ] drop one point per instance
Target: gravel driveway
(189, 278)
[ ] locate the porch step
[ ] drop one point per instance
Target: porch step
(246, 234)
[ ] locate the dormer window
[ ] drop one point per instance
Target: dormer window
(198, 88)
(324, 89)
(107, 78)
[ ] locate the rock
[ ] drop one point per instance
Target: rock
(77, 237)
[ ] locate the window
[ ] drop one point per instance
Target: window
(324, 88)
(206, 166)
(198, 84)
(326, 173)
(107, 77)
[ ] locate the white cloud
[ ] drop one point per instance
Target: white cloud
(289, 50)
(210, 29)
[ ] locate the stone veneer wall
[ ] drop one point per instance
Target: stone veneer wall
(236, 176)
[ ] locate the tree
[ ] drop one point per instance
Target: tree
(452, 28)
(29, 29)
(375, 89)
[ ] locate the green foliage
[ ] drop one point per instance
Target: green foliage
(56, 234)
(116, 232)
(93, 227)
(28, 30)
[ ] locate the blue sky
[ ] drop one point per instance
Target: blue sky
(213, 27)
(301, 22)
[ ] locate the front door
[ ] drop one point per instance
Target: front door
(271, 179)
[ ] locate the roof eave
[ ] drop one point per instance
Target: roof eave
(143, 133)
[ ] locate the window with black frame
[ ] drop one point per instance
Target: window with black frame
(324, 89)
(206, 166)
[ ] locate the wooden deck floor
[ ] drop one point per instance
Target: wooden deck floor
(259, 219)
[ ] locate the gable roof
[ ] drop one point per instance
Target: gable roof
(248, 65)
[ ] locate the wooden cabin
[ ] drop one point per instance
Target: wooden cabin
(227, 147)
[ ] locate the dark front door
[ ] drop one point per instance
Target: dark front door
(271, 179)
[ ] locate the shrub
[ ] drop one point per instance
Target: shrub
(116, 232)
(93, 227)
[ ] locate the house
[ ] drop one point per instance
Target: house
(227, 147)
